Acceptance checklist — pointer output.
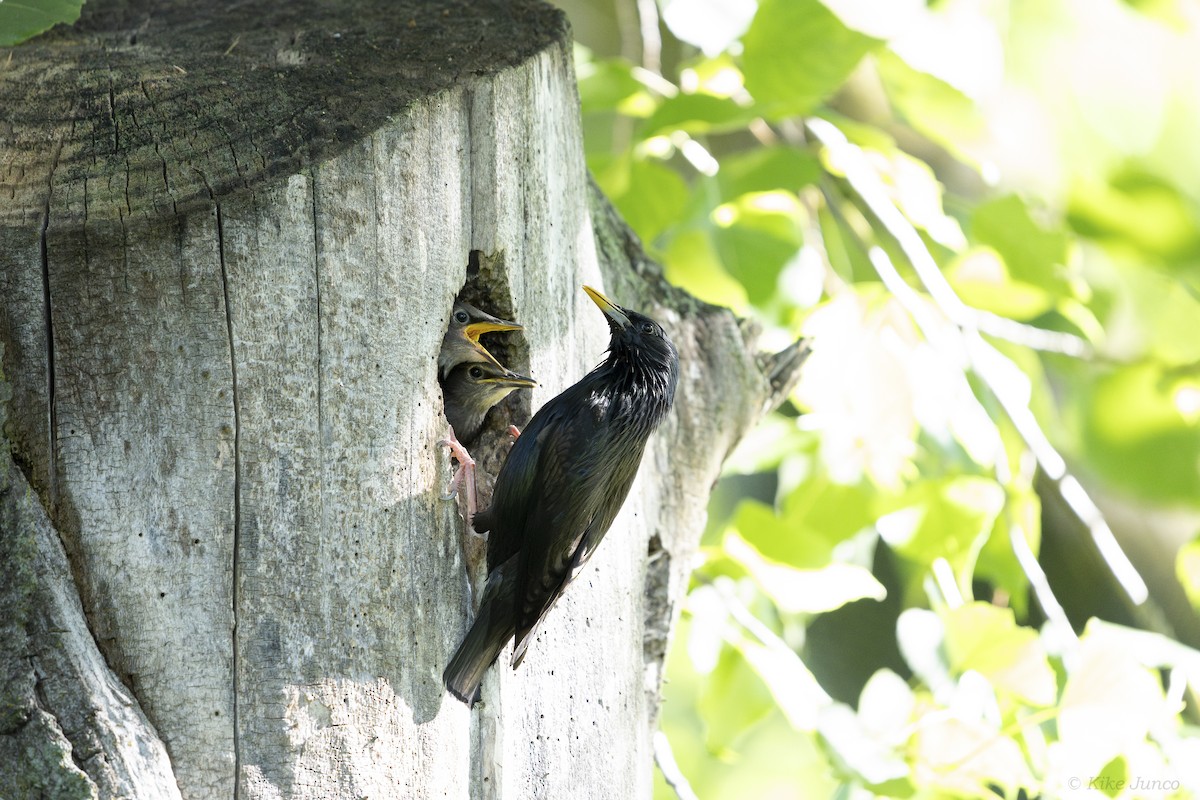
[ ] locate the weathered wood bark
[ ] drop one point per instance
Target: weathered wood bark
(230, 236)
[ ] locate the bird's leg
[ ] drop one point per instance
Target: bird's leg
(464, 476)
(514, 432)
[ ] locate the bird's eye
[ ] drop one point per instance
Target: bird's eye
(461, 317)
(476, 372)
(647, 328)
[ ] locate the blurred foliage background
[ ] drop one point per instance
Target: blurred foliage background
(962, 562)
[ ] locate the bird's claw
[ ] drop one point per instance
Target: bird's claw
(464, 476)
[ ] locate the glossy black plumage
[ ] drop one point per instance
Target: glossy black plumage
(461, 344)
(472, 389)
(562, 485)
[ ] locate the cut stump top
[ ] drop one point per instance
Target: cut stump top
(146, 110)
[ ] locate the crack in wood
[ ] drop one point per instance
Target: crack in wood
(237, 520)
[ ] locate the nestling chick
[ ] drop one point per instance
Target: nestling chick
(461, 342)
(472, 389)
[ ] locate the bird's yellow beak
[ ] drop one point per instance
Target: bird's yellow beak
(477, 329)
(610, 309)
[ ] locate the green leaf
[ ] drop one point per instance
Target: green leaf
(1138, 210)
(775, 439)
(23, 19)
(649, 196)
(779, 539)
(696, 113)
(1136, 435)
(981, 279)
(930, 105)
(997, 563)
(846, 258)
(756, 235)
(987, 639)
(829, 511)
(943, 518)
(816, 516)
(863, 755)
(797, 53)
(691, 262)
(1110, 701)
(767, 169)
(770, 761)
(1165, 310)
(1112, 778)
(965, 757)
(1187, 569)
(805, 591)
(605, 84)
(734, 699)
(1033, 254)
(795, 689)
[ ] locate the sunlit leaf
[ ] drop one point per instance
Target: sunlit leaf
(691, 261)
(734, 699)
(767, 169)
(1166, 310)
(1137, 436)
(830, 511)
(1187, 569)
(649, 196)
(771, 759)
(756, 235)
(930, 105)
(809, 591)
(1112, 779)
(1110, 701)
(604, 84)
(874, 763)
(921, 636)
(963, 757)
(848, 261)
(777, 437)
(986, 639)
(696, 113)
(945, 518)
(797, 53)
(1034, 255)
(997, 563)
(779, 539)
(856, 386)
(796, 691)
(1152, 650)
(981, 279)
(1139, 210)
(886, 707)
(718, 75)
(26, 18)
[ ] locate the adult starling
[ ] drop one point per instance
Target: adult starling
(469, 393)
(461, 342)
(561, 487)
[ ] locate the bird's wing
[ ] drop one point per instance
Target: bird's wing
(516, 486)
(583, 484)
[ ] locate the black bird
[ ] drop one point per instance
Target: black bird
(461, 342)
(561, 487)
(469, 393)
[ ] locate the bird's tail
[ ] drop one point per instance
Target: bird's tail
(494, 626)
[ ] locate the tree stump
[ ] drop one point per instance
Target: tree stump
(230, 238)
